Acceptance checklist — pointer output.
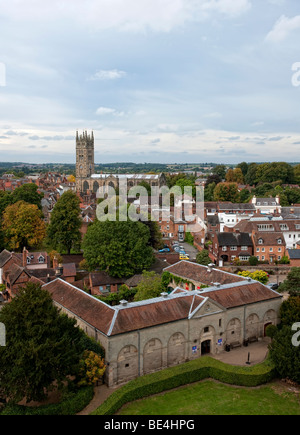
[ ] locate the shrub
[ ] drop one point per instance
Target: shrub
(71, 404)
(192, 371)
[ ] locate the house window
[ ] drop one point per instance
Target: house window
(279, 257)
(279, 249)
(224, 248)
(271, 249)
(234, 248)
(260, 242)
(244, 248)
(244, 258)
(257, 249)
(263, 258)
(28, 260)
(262, 249)
(279, 241)
(41, 259)
(206, 329)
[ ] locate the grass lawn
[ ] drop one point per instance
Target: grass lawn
(212, 398)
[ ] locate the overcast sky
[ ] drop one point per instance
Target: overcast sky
(166, 81)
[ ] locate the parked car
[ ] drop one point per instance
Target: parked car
(184, 257)
(177, 249)
(161, 251)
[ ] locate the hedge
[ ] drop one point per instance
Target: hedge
(71, 404)
(187, 373)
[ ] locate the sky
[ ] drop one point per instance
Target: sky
(158, 81)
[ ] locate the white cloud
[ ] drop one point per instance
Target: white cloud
(282, 28)
(132, 15)
(108, 75)
(102, 111)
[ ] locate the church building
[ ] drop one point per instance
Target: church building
(89, 182)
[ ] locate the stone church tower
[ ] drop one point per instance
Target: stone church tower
(85, 164)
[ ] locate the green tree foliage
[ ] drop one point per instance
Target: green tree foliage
(122, 249)
(63, 232)
(149, 287)
(283, 352)
(28, 193)
(42, 346)
(292, 283)
(203, 258)
(220, 170)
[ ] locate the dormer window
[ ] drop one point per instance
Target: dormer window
(260, 241)
(28, 260)
(41, 259)
(279, 241)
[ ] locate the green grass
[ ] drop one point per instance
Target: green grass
(211, 398)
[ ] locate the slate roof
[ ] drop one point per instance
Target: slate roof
(4, 257)
(234, 239)
(294, 254)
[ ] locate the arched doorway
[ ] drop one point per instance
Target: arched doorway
(252, 327)
(207, 339)
(234, 332)
(176, 349)
(127, 363)
(270, 318)
(152, 355)
(206, 347)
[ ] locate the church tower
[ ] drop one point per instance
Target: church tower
(85, 165)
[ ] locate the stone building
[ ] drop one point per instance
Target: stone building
(88, 181)
(207, 311)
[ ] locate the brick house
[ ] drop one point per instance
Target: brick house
(269, 246)
(101, 283)
(294, 257)
(226, 247)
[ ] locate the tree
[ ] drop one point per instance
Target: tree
(63, 232)
(292, 283)
(23, 226)
(227, 192)
(42, 346)
(149, 287)
(28, 193)
(220, 170)
(203, 258)
(91, 368)
(122, 249)
(283, 352)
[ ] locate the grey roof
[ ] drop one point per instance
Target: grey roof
(234, 239)
(294, 254)
(236, 206)
(4, 257)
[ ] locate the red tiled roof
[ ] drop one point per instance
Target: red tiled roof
(84, 306)
(197, 272)
(242, 295)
